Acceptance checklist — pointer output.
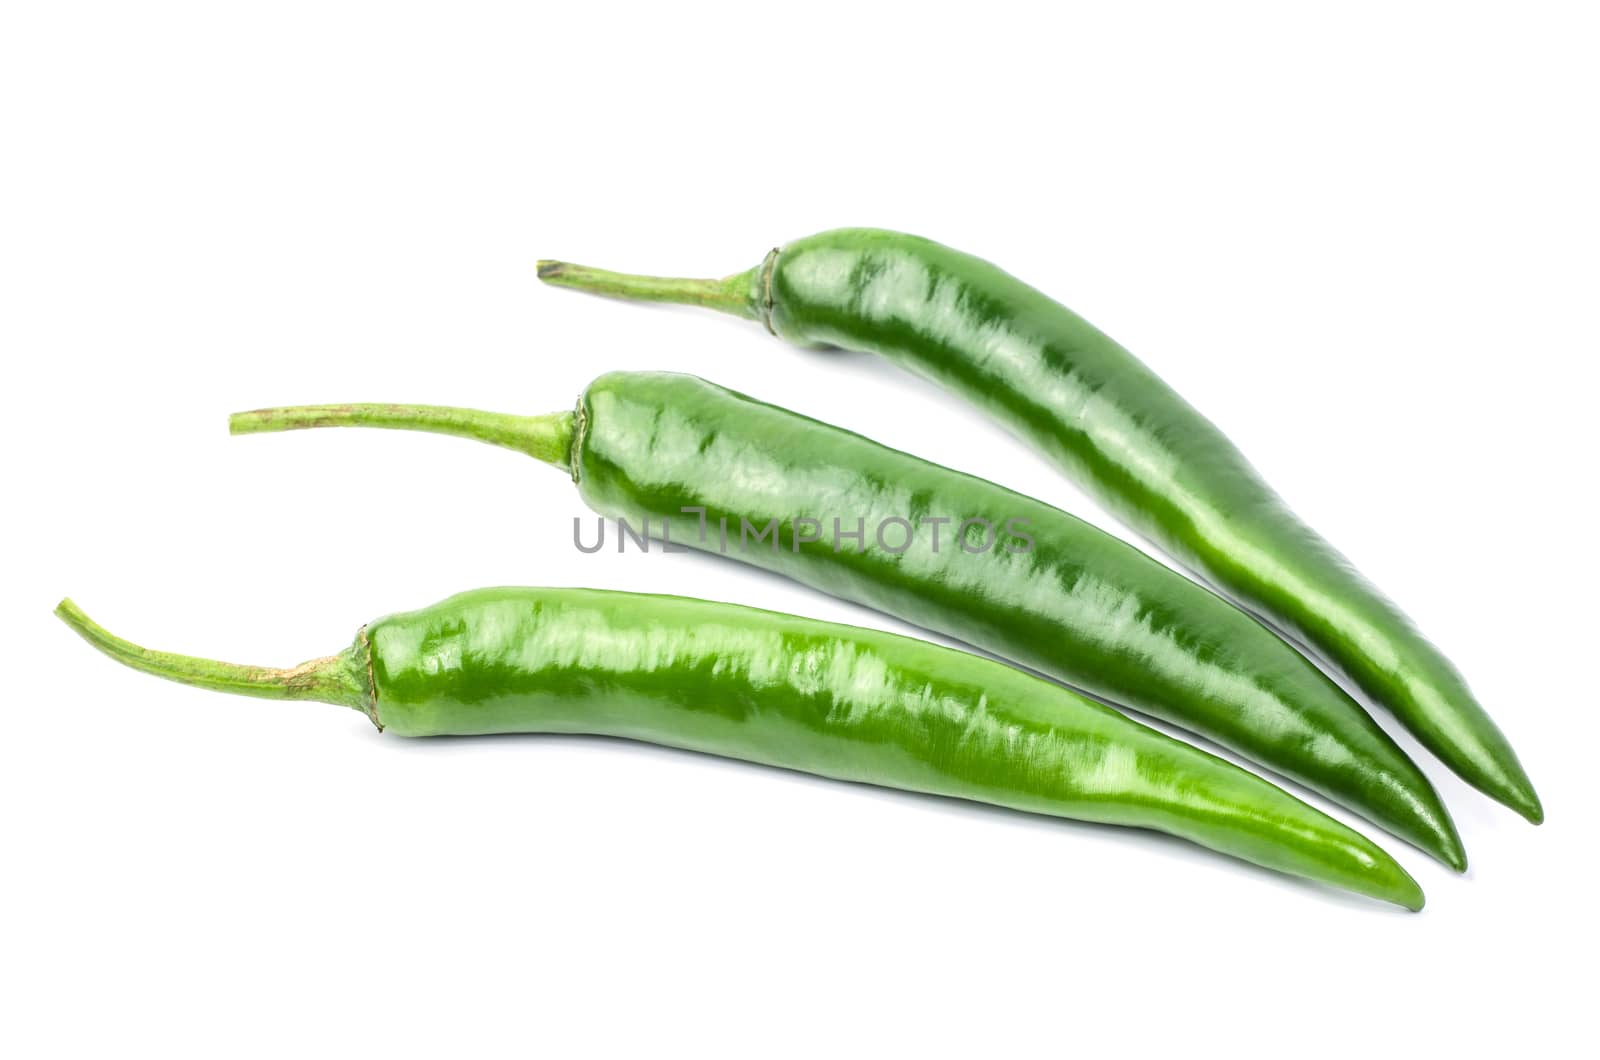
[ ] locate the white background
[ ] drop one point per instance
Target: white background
(1361, 238)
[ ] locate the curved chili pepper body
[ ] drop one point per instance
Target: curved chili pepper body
(837, 701)
(681, 457)
(1124, 435)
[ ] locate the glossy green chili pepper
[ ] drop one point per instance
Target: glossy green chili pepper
(837, 701)
(681, 457)
(1121, 433)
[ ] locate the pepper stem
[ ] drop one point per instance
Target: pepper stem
(738, 294)
(547, 438)
(340, 679)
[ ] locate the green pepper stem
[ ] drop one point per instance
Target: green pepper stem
(340, 679)
(737, 294)
(547, 438)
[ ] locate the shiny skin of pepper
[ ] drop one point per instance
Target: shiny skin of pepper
(836, 701)
(1079, 605)
(1120, 432)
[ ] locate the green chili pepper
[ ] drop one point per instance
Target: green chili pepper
(837, 701)
(681, 457)
(1120, 432)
